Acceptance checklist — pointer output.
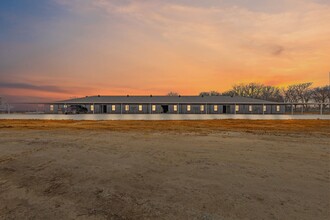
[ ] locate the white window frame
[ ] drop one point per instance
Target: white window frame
(113, 108)
(250, 108)
(264, 108)
(202, 108)
(140, 108)
(278, 108)
(188, 108)
(236, 108)
(215, 108)
(175, 108)
(153, 107)
(127, 108)
(51, 108)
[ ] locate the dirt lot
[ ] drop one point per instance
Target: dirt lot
(228, 169)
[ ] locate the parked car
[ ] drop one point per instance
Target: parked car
(75, 109)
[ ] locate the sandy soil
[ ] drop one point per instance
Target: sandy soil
(231, 169)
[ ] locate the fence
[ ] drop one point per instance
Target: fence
(307, 108)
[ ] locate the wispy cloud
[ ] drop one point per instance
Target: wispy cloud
(27, 86)
(224, 28)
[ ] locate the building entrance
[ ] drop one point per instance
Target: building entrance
(164, 108)
(104, 108)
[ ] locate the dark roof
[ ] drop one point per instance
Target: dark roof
(162, 99)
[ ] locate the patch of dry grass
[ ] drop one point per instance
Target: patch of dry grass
(264, 126)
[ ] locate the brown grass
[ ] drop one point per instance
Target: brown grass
(264, 126)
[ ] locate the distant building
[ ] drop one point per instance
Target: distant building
(166, 105)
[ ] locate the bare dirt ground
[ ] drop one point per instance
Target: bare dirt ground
(227, 169)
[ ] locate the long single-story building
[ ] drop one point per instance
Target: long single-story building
(168, 105)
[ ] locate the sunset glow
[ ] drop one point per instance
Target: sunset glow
(56, 49)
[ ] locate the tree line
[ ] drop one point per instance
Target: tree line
(296, 93)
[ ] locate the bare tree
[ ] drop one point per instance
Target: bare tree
(290, 94)
(229, 93)
(298, 93)
(256, 90)
(271, 93)
(253, 90)
(321, 95)
(172, 94)
(303, 91)
(238, 90)
(210, 93)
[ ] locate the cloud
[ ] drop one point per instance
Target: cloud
(26, 99)
(223, 28)
(277, 50)
(27, 86)
(148, 46)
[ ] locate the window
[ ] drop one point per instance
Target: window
(265, 108)
(65, 106)
(215, 108)
(140, 108)
(92, 108)
(153, 108)
(250, 108)
(175, 108)
(188, 108)
(202, 108)
(126, 107)
(113, 107)
(278, 108)
(51, 107)
(237, 108)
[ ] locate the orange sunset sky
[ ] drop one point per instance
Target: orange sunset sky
(57, 49)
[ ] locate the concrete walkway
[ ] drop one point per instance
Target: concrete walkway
(158, 117)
